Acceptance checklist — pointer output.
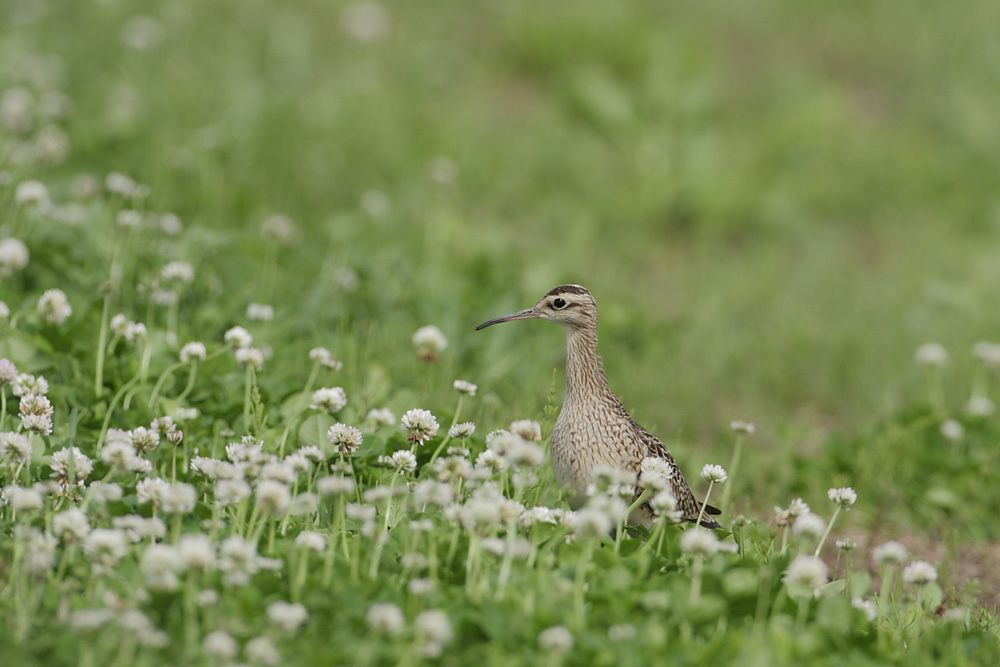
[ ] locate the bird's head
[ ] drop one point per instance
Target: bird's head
(572, 306)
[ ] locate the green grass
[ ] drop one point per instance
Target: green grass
(773, 204)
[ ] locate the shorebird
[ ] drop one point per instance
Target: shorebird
(594, 430)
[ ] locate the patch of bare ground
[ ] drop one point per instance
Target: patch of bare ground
(968, 573)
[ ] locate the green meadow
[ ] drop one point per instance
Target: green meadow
(228, 437)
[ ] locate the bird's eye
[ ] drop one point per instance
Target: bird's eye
(559, 303)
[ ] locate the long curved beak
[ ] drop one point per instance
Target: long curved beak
(527, 314)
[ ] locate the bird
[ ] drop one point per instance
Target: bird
(594, 431)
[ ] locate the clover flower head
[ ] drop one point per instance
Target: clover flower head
(430, 342)
(323, 357)
(177, 271)
(420, 424)
(238, 337)
(806, 572)
(890, 553)
(714, 473)
(810, 526)
(250, 357)
(527, 429)
(385, 617)
(699, 542)
(843, 497)
(920, 573)
(54, 306)
(329, 399)
(931, 354)
(345, 438)
(740, 426)
(260, 312)
(464, 387)
(557, 639)
(193, 351)
(14, 256)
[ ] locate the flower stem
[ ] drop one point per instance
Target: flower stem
(826, 534)
(101, 342)
(704, 503)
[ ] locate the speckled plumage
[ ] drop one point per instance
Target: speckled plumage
(594, 430)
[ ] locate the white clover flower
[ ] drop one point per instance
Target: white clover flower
(806, 572)
(714, 473)
(335, 486)
(30, 192)
(196, 552)
(527, 429)
(193, 351)
(931, 354)
(120, 184)
(238, 559)
(463, 387)
(105, 492)
(71, 525)
(920, 573)
(844, 497)
(287, 616)
(250, 357)
(105, 546)
(847, 544)
(330, 399)
(260, 312)
(385, 617)
(980, 406)
(152, 490)
(303, 504)
(366, 21)
(144, 439)
(4, 316)
(740, 426)
(135, 332)
(591, 522)
(421, 424)
(699, 541)
(810, 526)
(40, 424)
(14, 448)
(14, 256)
(430, 342)
(230, 492)
(310, 539)
(160, 563)
(220, 645)
(177, 271)
(238, 337)
(345, 438)
(29, 384)
(186, 414)
(54, 306)
(323, 357)
(952, 430)
(656, 473)
(179, 498)
(402, 460)
(664, 504)
(280, 228)
(139, 528)
(462, 431)
(118, 324)
(432, 492)
(261, 651)
(87, 620)
(21, 499)
(129, 219)
(867, 607)
(67, 458)
(8, 371)
(273, 497)
(434, 628)
(557, 639)
(988, 353)
(798, 507)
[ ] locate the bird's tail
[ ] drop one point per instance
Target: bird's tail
(706, 521)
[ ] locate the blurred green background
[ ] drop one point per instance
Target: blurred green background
(774, 203)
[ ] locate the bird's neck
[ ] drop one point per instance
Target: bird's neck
(585, 378)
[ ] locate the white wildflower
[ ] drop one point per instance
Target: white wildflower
(464, 387)
(699, 541)
(557, 639)
(238, 337)
(931, 354)
(527, 429)
(385, 617)
(330, 399)
(806, 572)
(421, 425)
(714, 473)
(920, 573)
(430, 342)
(345, 438)
(193, 351)
(287, 616)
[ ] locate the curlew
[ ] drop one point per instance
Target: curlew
(593, 430)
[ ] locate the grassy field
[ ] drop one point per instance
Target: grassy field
(775, 205)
